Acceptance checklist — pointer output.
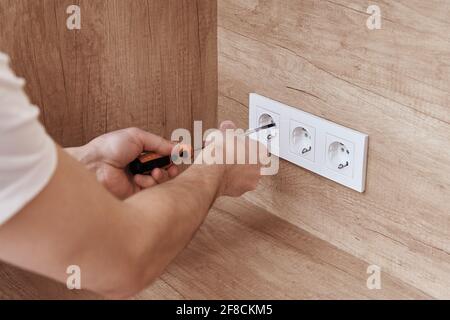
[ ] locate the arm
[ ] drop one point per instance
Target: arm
(120, 246)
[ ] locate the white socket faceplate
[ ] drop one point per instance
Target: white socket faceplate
(337, 153)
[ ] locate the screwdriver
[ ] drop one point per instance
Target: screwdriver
(148, 161)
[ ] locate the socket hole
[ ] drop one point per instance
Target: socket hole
(339, 155)
(264, 120)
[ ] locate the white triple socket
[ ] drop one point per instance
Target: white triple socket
(321, 146)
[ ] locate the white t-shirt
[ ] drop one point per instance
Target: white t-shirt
(27, 154)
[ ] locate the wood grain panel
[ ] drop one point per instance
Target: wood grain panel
(242, 252)
(143, 63)
(16, 284)
(392, 84)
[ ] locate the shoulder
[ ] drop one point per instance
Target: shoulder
(8, 80)
(4, 58)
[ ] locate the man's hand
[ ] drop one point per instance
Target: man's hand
(109, 155)
(238, 178)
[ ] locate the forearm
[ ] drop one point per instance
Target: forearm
(174, 210)
(182, 203)
(120, 246)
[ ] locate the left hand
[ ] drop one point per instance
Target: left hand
(109, 155)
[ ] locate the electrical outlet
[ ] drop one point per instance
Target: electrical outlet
(302, 140)
(326, 148)
(340, 155)
(265, 117)
(262, 116)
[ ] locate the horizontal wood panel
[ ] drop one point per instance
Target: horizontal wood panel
(392, 84)
(242, 252)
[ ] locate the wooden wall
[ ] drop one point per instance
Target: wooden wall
(145, 63)
(393, 84)
(152, 64)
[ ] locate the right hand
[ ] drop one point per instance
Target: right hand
(240, 178)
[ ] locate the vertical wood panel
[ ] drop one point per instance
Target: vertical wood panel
(144, 63)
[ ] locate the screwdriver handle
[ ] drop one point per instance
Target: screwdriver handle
(147, 162)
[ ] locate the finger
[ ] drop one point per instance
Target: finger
(144, 181)
(160, 176)
(227, 125)
(154, 143)
(173, 171)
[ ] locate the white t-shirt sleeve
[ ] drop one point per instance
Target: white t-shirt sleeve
(27, 153)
